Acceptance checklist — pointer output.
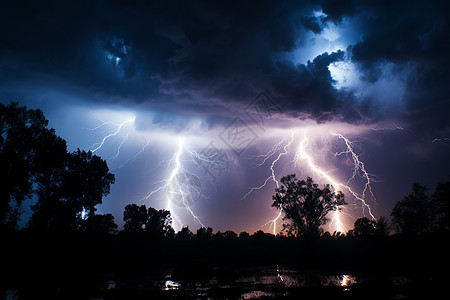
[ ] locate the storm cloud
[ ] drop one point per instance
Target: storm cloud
(199, 55)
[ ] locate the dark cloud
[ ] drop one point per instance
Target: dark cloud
(308, 87)
(312, 23)
(336, 10)
(198, 55)
(138, 52)
(411, 36)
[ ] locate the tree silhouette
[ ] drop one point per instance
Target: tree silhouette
(185, 233)
(441, 198)
(19, 130)
(413, 214)
(204, 233)
(159, 223)
(244, 235)
(382, 227)
(230, 235)
(50, 213)
(135, 218)
(100, 224)
(86, 181)
(139, 218)
(364, 227)
(305, 205)
(261, 235)
(68, 185)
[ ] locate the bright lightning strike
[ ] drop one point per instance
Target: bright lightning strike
(305, 153)
(180, 187)
(358, 168)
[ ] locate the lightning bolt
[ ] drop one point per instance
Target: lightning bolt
(116, 130)
(283, 150)
(180, 189)
(120, 147)
(440, 140)
(303, 154)
(358, 168)
(396, 127)
(138, 155)
(177, 187)
(172, 182)
(180, 184)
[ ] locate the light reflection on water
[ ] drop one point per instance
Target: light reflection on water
(111, 284)
(237, 282)
(292, 278)
(171, 285)
(256, 294)
(346, 281)
(256, 282)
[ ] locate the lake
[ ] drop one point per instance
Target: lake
(236, 282)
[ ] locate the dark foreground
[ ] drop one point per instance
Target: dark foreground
(140, 267)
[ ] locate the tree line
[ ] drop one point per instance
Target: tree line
(67, 187)
(305, 211)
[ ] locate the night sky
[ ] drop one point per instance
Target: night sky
(200, 101)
